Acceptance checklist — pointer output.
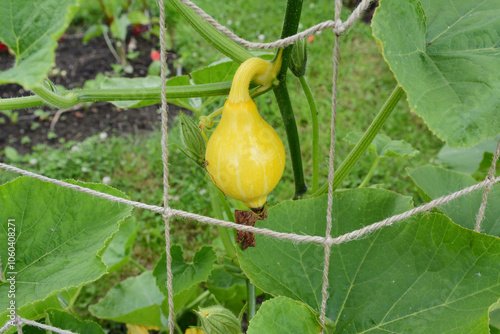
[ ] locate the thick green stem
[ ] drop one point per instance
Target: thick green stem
(370, 173)
(221, 42)
(224, 232)
(290, 26)
(315, 132)
(54, 99)
(251, 300)
(95, 95)
(365, 141)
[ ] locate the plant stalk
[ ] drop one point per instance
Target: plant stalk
(95, 95)
(137, 264)
(290, 26)
(365, 141)
(221, 42)
(251, 300)
(315, 132)
(370, 173)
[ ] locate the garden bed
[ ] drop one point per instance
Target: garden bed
(76, 63)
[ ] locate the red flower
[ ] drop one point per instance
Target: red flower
(155, 55)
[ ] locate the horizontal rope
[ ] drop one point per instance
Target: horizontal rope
(337, 26)
(21, 321)
(327, 241)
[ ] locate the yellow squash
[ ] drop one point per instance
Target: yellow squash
(245, 156)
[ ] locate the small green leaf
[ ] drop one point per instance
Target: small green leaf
(466, 160)
(284, 315)
(11, 154)
(59, 236)
(215, 73)
(185, 274)
(137, 17)
(136, 300)
(66, 321)
(95, 30)
(444, 54)
(383, 146)
(119, 28)
(436, 182)
(31, 29)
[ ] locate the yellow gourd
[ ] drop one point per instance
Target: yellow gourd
(245, 157)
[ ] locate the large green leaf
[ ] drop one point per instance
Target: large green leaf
(446, 54)
(185, 274)
(59, 234)
(284, 315)
(65, 320)
(37, 310)
(467, 160)
(436, 182)
(136, 300)
(31, 29)
(120, 248)
(424, 275)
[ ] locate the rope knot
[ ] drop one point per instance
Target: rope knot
(339, 27)
(167, 213)
(327, 241)
(18, 321)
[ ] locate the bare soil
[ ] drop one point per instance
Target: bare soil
(76, 63)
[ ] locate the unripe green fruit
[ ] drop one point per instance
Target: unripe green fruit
(218, 320)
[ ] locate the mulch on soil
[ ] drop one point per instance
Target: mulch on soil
(79, 63)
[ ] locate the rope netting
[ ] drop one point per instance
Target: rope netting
(338, 27)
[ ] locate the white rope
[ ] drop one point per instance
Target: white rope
(331, 169)
(164, 149)
(263, 231)
(487, 189)
(19, 322)
(337, 26)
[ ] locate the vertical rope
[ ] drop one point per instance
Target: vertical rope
(164, 149)
(331, 171)
(490, 177)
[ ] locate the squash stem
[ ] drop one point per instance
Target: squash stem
(370, 173)
(290, 26)
(251, 300)
(365, 141)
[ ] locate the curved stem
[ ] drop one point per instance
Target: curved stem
(95, 95)
(221, 42)
(315, 132)
(290, 26)
(370, 173)
(54, 99)
(365, 141)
